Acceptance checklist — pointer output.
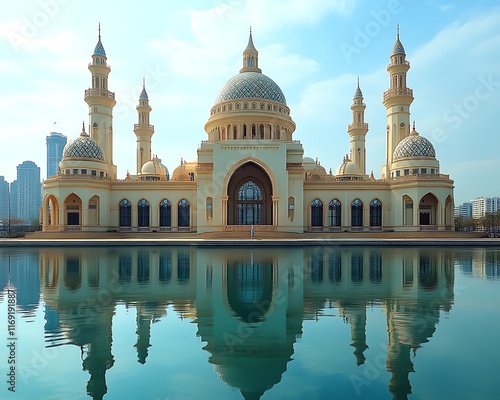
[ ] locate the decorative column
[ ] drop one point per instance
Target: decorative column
(224, 210)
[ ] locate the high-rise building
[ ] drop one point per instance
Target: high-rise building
(26, 192)
(484, 205)
(464, 210)
(4, 199)
(55, 146)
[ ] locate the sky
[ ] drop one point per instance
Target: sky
(313, 49)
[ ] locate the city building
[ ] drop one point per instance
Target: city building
(464, 210)
(4, 199)
(55, 146)
(484, 205)
(26, 193)
(249, 170)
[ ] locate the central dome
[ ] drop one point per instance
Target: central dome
(250, 85)
(414, 145)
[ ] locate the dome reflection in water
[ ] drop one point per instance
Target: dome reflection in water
(272, 323)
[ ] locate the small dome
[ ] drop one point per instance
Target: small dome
(414, 145)
(155, 168)
(250, 85)
(398, 48)
(83, 147)
(347, 168)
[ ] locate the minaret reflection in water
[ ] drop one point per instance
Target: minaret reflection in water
(249, 305)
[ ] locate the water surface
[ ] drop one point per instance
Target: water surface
(294, 323)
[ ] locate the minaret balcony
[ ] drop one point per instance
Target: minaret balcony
(144, 126)
(99, 92)
(357, 125)
(398, 92)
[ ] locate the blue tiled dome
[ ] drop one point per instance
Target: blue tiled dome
(83, 147)
(250, 85)
(414, 146)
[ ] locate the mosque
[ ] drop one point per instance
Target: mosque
(249, 170)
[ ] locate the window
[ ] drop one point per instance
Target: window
(433, 171)
(165, 213)
(398, 173)
(143, 213)
(415, 171)
(101, 174)
(183, 213)
(334, 213)
(84, 171)
(67, 172)
(316, 213)
(376, 213)
(125, 213)
(357, 213)
(423, 171)
(93, 172)
(407, 172)
(75, 171)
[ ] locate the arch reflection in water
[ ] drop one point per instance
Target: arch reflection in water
(249, 305)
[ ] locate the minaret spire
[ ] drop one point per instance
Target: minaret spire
(101, 102)
(250, 57)
(357, 131)
(143, 129)
(397, 101)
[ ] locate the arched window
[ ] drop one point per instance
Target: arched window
(357, 213)
(143, 213)
(183, 212)
(125, 213)
(334, 213)
(376, 213)
(165, 213)
(249, 204)
(316, 213)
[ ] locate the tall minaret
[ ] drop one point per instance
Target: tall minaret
(101, 102)
(357, 131)
(143, 130)
(397, 101)
(250, 57)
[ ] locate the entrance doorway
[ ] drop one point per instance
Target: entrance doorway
(249, 192)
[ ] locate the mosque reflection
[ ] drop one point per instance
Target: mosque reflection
(249, 305)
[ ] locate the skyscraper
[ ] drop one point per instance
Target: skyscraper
(55, 145)
(4, 199)
(26, 192)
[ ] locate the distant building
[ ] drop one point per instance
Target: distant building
(464, 210)
(484, 205)
(26, 193)
(4, 199)
(55, 146)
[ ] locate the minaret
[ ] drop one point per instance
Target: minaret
(397, 101)
(143, 130)
(101, 102)
(357, 131)
(250, 57)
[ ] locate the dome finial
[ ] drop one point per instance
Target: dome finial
(99, 30)
(250, 57)
(397, 32)
(398, 46)
(83, 129)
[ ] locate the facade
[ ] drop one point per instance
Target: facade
(464, 210)
(249, 171)
(484, 205)
(55, 146)
(26, 192)
(4, 199)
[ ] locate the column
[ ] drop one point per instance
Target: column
(224, 210)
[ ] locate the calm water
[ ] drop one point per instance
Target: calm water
(297, 323)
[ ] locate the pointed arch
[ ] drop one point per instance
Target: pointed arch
(375, 213)
(93, 216)
(73, 211)
(143, 212)
(165, 213)
(427, 211)
(316, 213)
(356, 213)
(335, 213)
(407, 207)
(125, 210)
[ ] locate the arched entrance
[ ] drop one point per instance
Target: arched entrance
(427, 210)
(73, 207)
(249, 196)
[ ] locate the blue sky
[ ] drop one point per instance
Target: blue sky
(313, 49)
